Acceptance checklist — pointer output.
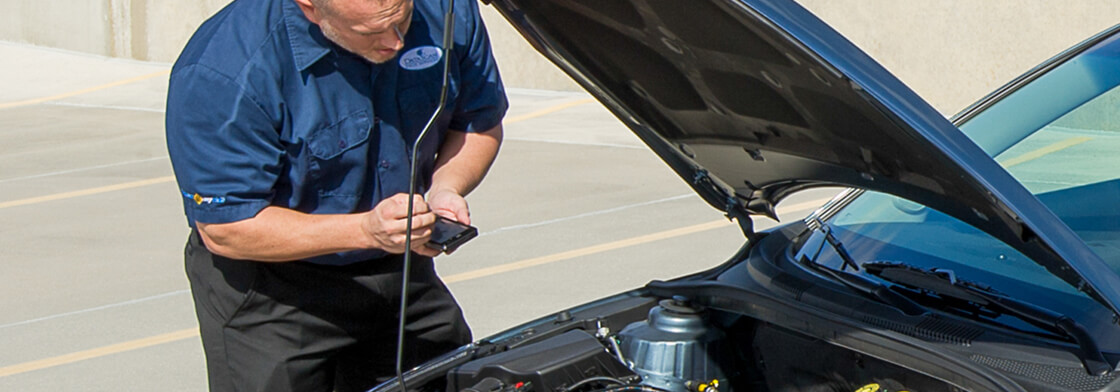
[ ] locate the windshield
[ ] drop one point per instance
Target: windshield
(1058, 135)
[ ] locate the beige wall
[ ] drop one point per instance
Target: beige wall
(521, 66)
(951, 52)
(152, 30)
(67, 24)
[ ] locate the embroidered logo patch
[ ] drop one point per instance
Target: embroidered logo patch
(421, 57)
(199, 199)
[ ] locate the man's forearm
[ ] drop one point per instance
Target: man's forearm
(279, 234)
(464, 158)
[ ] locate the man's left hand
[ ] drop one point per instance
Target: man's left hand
(450, 205)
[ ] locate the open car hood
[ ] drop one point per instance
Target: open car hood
(752, 100)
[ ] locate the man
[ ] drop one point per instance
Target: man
(290, 124)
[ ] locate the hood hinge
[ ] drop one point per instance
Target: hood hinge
(733, 208)
(736, 211)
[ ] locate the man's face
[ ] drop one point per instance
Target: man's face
(373, 29)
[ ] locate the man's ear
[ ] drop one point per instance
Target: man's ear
(309, 10)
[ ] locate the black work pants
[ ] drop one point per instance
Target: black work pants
(305, 327)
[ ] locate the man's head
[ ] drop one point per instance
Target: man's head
(373, 29)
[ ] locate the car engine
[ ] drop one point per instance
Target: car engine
(683, 347)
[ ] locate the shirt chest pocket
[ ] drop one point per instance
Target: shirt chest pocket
(339, 155)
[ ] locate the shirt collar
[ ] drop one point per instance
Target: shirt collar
(307, 40)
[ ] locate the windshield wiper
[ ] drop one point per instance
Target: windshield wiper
(818, 225)
(811, 249)
(944, 283)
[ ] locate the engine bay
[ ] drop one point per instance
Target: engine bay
(758, 324)
(680, 346)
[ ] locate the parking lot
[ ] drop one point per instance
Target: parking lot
(93, 293)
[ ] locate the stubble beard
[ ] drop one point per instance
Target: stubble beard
(331, 35)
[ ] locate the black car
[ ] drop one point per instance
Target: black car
(977, 254)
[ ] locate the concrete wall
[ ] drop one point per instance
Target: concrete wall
(69, 24)
(951, 52)
(153, 30)
(954, 52)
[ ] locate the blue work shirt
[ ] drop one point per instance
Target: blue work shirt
(263, 110)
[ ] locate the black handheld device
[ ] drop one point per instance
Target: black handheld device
(447, 234)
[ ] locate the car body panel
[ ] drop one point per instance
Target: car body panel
(761, 99)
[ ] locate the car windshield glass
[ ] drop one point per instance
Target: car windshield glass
(1059, 135)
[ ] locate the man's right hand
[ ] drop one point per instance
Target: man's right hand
(386, 225)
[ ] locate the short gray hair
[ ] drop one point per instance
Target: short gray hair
(328, 5)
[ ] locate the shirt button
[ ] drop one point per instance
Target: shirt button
(385, 164)
(341, 144)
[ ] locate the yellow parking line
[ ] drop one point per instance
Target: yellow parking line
(1039, 153)
(519, 265)
(571, 254)
(803, 206)
(110, 188)
(191, 333)
(83, 91)
(548, 110)
(98, 352)
(86, 192)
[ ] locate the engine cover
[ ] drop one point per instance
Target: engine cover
(550, 365)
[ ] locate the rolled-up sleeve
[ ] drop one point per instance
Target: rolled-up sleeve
(482, 102)
(224, 148)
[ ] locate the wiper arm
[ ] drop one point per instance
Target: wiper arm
(945, 284)
(818, 225)
(856, 282)
(874, 289)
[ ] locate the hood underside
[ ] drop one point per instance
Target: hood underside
(762, 99)
(735, 96)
